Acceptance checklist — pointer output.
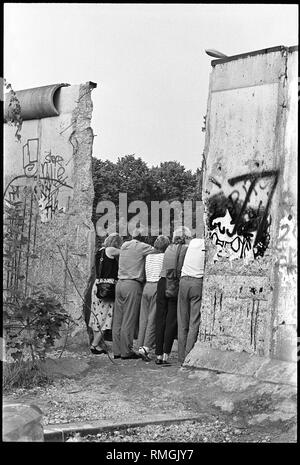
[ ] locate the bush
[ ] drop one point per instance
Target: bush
(33, 323)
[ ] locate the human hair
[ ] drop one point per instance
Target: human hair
(181, 234)
(140, 234)
(113, 240)
(161, 243)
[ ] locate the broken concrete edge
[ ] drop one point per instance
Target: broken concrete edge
(243, 364)
(278, 48)
(59, 432)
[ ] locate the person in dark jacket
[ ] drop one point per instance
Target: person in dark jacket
(166, 307)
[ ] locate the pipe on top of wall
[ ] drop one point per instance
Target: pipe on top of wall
(36, 103)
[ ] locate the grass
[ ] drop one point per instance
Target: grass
(23, 374)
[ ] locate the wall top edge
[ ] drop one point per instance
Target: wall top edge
(35, 103)
(263, 51)
(39, 102)
(42, 88)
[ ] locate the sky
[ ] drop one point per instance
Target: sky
(148, 61)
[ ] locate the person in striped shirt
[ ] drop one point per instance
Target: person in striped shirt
(153, 266)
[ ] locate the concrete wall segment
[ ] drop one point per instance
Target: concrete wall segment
(248, 71)
(50, 172)
(249, 166)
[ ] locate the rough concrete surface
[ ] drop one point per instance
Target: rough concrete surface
(50, 174)
(249, 191)
(241, 363)
(89, 388)
(22, 422)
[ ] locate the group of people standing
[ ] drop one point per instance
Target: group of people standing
(157, 295)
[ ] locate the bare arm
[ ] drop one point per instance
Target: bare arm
(112, 252)
(148, 250)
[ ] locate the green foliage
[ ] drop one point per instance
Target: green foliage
(33, 323)
(22, 374)
(169, 181)
(128, 175)
(173, 182)
(33, 316)
(13, 117)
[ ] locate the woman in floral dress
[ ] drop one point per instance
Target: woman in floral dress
(102, 309)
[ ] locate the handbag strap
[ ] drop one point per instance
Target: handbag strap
(180, 262)
(101, 261)
(177, 259)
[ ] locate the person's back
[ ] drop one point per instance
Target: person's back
(153, 266)
(193, 264)
(128, 294)
(147, 327)
(166, 301)
(102, 308)
(190, 297)
(170, 258)
(109, 266)
(132, 260)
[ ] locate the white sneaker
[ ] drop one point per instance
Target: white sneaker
(144, 353)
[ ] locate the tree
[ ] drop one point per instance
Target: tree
(133, 174)
(170, 181)
(173, 181)
(128, 175)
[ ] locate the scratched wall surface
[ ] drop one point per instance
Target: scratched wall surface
(249, 197)
(48, 177)
(285, 319)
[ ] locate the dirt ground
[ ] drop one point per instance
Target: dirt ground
(232, 408)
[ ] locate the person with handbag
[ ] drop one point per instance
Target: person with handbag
(153, 265)
(103, 291)
(190, 297)
(167, 293)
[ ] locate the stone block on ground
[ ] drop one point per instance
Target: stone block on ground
(242, 363)
(22, 423)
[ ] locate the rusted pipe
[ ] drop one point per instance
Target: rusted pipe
(36, 103)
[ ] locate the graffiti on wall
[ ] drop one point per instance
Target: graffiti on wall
(239, 223)
(52, 178)
(233, 313)
(287, 244)
(229, 244)
(30, 157)
(48, 178)
(20, 229)
(29, 196)
(13, 193)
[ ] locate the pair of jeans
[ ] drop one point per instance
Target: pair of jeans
(188, 313)
(166, 320)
